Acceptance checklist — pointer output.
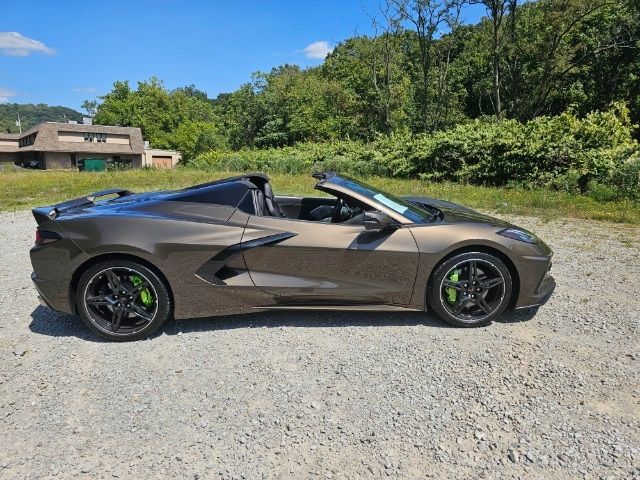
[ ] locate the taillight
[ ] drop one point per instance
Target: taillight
(44, 237)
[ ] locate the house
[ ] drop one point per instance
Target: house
(68, 145)
(154, 157)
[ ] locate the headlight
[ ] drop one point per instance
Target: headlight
(519, 234)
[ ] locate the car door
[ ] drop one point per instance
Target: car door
(311, 263)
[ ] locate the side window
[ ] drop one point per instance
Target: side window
(351, 211)
(246, 204)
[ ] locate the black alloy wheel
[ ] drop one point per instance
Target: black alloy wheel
(470, 289)
(122, 300)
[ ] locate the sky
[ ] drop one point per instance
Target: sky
(64, 52)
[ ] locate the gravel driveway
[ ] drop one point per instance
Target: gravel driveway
(330, 395)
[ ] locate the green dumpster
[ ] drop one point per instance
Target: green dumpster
(95, 165)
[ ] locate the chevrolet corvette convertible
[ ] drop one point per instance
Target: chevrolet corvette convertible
(127, 262)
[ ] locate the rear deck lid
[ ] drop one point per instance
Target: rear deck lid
(51, 212)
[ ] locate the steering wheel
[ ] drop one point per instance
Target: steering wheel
(337, 210)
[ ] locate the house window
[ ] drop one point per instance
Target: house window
(98, 137)
(28, 140)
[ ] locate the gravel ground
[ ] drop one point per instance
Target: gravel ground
(330, 395)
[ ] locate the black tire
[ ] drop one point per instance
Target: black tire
(134, 315)
(457, 299)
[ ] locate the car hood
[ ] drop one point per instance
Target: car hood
(454, 213)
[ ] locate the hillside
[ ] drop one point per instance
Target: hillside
(31, 114)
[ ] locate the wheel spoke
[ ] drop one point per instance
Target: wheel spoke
(136, 289)
(454, 285)
(493, 282)
(482, 303)
(140, 312)
(113, 281)
(473, 270)
(459, 304)
(118, 313)
(99, 300)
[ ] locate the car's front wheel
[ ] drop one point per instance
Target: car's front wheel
(122, 300)
(470, 289)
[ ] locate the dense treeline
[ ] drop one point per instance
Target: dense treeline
(594, 155)
(424, 77)
(32, 114)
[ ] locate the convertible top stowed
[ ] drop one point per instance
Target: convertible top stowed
(126, 262)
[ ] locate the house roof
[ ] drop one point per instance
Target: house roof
(160, 151)
(9, 142)
(47, 139)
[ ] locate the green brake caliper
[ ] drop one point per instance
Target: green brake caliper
(145, 295)
(452, 294)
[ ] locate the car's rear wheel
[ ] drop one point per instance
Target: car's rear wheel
(470, 289)
(122, 300)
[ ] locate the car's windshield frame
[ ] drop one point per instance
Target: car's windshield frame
(376, 197)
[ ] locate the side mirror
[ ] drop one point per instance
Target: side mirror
(378, 221)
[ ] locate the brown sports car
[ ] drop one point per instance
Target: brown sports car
(129, 262)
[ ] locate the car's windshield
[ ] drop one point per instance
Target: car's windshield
(398, 205)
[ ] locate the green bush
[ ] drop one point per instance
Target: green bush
(117, 166)
(566, 153)
(565, 182)
(601, 192)
(626, 179)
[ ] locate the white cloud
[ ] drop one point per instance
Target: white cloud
(14, 44)
(319, 49)
(85, 90)
(6, 94)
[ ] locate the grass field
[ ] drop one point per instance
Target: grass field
(21, 189)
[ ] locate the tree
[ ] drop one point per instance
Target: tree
(300, 105)
(242, 114)
(90, 107)
(374, 82)
(421, 70)
(561, 54)
(556, 45)
(160, 113)
(425, 17)
(445, 95)
(513, 64)
(495, 11)
(194, 138)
